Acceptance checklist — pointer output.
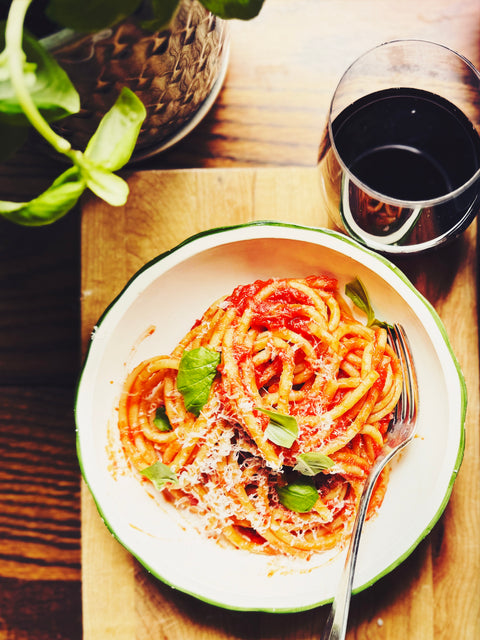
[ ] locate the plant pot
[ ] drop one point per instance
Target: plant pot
(177, 73)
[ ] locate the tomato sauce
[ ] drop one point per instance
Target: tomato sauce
(243, 294)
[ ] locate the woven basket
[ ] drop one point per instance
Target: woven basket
(177, 74)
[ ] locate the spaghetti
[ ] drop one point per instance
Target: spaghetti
(298, 398)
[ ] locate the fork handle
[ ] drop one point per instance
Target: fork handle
(336, 625)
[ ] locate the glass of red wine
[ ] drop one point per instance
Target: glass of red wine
(399, 163)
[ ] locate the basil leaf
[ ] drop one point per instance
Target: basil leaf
(90, 15)
(196, 372)
(299, 495)
(110, 148)
(357, 292)
(48, 84)
(159, 14)
(313, 462)
(282, 429)
(51, 205)
(160, 474)
(104, 183)
(242, 9)
(114, 140)
(161, 420)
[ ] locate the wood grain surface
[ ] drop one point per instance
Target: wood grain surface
(424, 599)
(283, 68)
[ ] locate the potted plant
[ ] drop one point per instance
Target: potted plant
(37, 91)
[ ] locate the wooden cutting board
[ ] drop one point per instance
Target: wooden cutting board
(434, 594)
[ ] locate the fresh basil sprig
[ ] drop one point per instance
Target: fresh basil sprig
(196, 372)
(65, 191)
(282, 429)
(161, 420)
(160, 474)
(299, 495)
(357, 292)
(34, 89)
(312, 463)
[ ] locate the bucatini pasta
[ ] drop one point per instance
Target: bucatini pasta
(267, 416)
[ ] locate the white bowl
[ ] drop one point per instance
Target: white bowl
(170, 293)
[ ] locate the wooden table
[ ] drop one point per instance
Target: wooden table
(283, 68)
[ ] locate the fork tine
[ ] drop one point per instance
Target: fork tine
(400, 409)
(408, 402)
(400, 406)
(411, 377)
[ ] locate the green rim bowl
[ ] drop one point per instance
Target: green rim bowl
(155, 309)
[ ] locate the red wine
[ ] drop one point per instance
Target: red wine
(407, 144)
(403, 145)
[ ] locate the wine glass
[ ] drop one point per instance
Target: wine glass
(399, 163)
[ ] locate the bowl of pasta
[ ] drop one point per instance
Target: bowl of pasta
(232, 400)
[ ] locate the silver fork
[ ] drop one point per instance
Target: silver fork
(400, 433)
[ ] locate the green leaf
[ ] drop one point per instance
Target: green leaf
(282, 429)
(160, 14)
(113, 142)
(48, 84)
(110, 148)
(313, 462)
(104, 183)
(357, 292)
(299, 495)
(160, 474)
(227, 9)
(161, 420)
(48, 207)
(90, 15)
(196, 372)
